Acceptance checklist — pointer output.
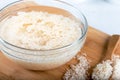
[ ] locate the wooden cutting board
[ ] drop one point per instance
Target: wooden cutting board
(95, 48)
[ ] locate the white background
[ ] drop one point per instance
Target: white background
(100, 14)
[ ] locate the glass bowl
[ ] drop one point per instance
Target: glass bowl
(42, 59)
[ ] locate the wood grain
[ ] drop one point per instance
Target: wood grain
(112, 47)
(95, 47)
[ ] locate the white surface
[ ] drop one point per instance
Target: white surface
(102, 15)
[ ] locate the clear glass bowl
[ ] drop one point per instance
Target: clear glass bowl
(43, 59)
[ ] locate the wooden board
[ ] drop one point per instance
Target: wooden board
(95, 47)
